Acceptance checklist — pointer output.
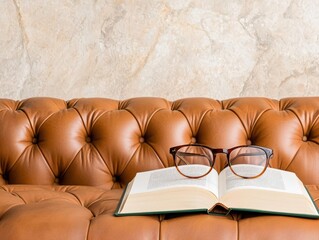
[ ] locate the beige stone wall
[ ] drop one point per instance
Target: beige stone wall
(168, 48)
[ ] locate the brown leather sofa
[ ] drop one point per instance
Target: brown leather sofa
(63, 164)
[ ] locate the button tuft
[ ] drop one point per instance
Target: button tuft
(115, 179)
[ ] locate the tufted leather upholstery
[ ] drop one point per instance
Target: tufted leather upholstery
(63, 164)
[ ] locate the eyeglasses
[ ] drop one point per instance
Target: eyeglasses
(249, 161)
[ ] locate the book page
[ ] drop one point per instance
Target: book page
(272, 179)
(178, 199)
(275, 191)
(170, 177)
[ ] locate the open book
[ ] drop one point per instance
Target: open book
(166, 191)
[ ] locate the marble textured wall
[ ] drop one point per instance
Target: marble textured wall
(168, 48)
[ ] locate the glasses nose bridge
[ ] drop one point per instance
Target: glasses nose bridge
(220, 150)
(224, 152)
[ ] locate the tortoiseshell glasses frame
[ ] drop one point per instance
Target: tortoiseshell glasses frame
(246, 155)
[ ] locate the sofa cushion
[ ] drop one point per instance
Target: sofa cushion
(82, 212)
(68, 212)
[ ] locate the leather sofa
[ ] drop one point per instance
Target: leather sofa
(64, 164)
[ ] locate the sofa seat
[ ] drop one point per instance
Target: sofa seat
(83, 212)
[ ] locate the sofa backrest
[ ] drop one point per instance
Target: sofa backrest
(104, 142)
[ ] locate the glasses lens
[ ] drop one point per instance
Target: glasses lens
(194, 161)
(248, 162)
